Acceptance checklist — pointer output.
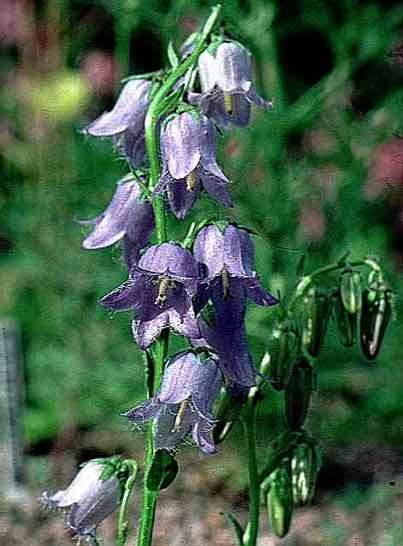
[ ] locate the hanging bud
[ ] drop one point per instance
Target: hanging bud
(346, 322)
(279, 500)
(283, 349)
(305, 465)
(351, 290)
(298, 393)
(315, 317)
(376, 314)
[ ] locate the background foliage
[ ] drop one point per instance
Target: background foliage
(314, 176)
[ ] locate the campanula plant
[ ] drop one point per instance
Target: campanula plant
(199, 287)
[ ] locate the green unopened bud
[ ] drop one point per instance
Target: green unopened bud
(298, 393)
(315, 318)
(279, 500)
(346, 322)
(351, 291)
(305, 465)
(283, 349)
(375, 317)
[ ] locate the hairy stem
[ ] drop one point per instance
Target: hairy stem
(249, 424)
(123, 524)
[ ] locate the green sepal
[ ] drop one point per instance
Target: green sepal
(162, 472)
(279, 500)
(346, 322)
(375, 317)
(351, 290)
(315, 318)
(172, 56)
(237, 527)
(305, 464)
(297, 395)
(283, 350)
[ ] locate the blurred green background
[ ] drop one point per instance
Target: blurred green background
(321, 174)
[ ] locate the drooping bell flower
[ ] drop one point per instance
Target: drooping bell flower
(88, 500)
(159, 291)
(227, 258)
(227, 87)
(125, 122)
(189, 163)
(127, 217)
(183, 404)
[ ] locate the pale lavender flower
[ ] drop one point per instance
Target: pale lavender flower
(189, 163)
(125, 123)
(127, 217)
(88, 500)
(227, 87)
(227, 258)
(160, 291)
(183, 404)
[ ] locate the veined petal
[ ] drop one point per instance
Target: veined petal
(143, 412)
(239, 253)
(217, 189)
(169, 432)
(258, 294)
(207, 71)
(252, 96)
(187, 325)
(181, 378)
(145, 333)
(127, 296)
(208, 250)
(233, 65)
(132, 103)
(202, 434)
(111, 225)
(180, 144)
(169, 258)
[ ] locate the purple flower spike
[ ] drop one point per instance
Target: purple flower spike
(183, 404)
(126, 217)
(89, 499)
(125, 123)
(189, 163)
(227, 88)
(228, 260)
(160, 291)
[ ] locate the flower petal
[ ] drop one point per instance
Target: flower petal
(202, 434)
(180, 144)
(169, 434)
(258, 294)
(208, 250)
(131, 104)
(126, 296)
(233, 65)
(143, 412)
(181, 378)
(252, 96)
(170, 258)
(207, 71)
(187, 325)
(239, 253)
(181, 200)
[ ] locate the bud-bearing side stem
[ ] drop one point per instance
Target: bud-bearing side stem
(249, 425)
(156, 109)
(122, 530)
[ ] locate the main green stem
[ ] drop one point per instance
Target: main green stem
(157, 108)
(249, 424)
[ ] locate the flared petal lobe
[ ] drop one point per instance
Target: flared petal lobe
(130, 108)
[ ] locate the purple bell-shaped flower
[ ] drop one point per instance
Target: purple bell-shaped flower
(160, 291)
(227, 87)
(183, 404)
(88, 500)
(125, 123)
(227, 258)
(127, 217)
(189, 163)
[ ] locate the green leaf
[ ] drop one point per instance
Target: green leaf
(172, 56)
(238, 530)
(162, 472)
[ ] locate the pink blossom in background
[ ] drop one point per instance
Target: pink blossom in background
(101, 70)
(386, 169)
(12, 22)
(312, 223)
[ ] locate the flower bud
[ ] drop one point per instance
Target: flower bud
(305, 465)
(315, 317)
(351, 291)
(279, 500)
(283, 348)
(92, 495)
(298, 393)
(375, 317)
(346, 322)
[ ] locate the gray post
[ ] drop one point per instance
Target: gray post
(11, 406)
